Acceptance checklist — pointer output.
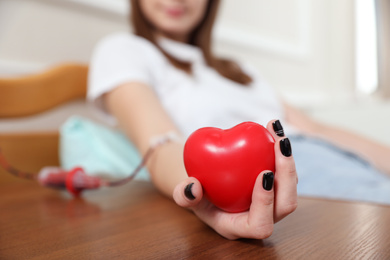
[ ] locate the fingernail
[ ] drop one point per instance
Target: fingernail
(188, 191)
(285, 147)
(268, 180)
(278, 128)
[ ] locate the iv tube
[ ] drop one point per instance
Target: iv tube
(76, 179)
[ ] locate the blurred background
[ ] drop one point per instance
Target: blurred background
(327, 57)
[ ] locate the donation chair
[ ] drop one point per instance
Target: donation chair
(25, 96)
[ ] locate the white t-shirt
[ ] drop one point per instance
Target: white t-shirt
(202, 99)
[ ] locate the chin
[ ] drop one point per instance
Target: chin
(175, 31)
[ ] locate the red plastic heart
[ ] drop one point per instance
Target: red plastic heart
(227, 162)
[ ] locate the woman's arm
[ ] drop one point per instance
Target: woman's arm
(140, 113)
(376, 153)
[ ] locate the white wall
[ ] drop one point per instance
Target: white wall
(309, 42)
(36, 33)
(304, 48)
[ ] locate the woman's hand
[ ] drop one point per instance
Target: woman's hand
(272, 198)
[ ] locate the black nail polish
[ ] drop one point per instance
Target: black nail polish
(285, 147)
(278, 128)
(188, 192)
(268, 180)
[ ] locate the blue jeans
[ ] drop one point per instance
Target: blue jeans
(327, 171)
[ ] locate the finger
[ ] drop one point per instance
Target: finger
(258, 222)
(261, 212)
(285, 174)
(188, 193)
(275, 127)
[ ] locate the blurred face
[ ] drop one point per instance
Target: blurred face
(174, 19)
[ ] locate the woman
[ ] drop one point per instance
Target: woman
(165, 78)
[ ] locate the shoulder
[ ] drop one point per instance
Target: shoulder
(124, 44)
(124, 55)
(120, 58)
(122, 39)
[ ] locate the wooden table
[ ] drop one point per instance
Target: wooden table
(135, 222)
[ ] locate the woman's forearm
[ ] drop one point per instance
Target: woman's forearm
(166, 167)
(142, 117)
(376, 153)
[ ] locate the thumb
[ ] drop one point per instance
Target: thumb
(188, 193)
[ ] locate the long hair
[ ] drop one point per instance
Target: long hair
(200, 37)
